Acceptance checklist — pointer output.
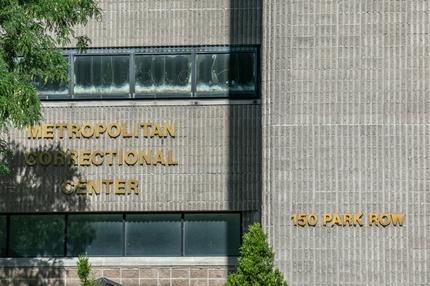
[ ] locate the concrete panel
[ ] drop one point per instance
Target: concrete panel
(141, 23)
(217, 148)
(345, 129)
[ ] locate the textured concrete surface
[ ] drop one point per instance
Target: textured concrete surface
(129, 23)
(345, 128)
(217, 148)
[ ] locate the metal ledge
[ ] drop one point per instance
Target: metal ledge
(120, 261)
(167, 102)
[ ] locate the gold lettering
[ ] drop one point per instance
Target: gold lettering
(94, 156)
(145, 157)
(159, 158)
(327, 218)
(156, 131)
(87, 130)
(120, 157)
(312, 219)
(73, 157)
(170, 160)
(347, 218)
(34, 132)
(100, 129)
(74, 131)
(136, 130)
(31, 159)
(358, 219)
(93, 186)
(398, 218)
(107, 183)
(125, 133)
(384, 219)
(373, 219)
(170, 129)
(133, 186)
(146, 127)
(119, 187)
(336, 219)
(68, 187)
(84, 158)
(48, 131)
(110, 155)
(59, 158)
(61, 126)
(45, 158)
(82, 187)
(133, 160)
(114, 130)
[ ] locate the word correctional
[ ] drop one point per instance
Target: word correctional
(101, 157)
(97, 130)
(348, 219)
(108, 186)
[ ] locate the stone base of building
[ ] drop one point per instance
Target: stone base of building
(63, 272)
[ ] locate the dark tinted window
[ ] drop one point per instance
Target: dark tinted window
(53, 88)
(226, 73)
(95, 234)
(101, 75)
(212, 234)
(2, 236)
(37, 235)
(163, 73)
(154, 235)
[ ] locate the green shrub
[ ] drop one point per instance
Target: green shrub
(84, 272)
(256, 262)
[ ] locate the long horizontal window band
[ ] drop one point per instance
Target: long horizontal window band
(151, 73)
(120, 234)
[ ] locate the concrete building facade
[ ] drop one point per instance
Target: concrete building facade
(338, 126)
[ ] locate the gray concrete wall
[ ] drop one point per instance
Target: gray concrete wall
(345, 127)
(217, 147)
(139, 23)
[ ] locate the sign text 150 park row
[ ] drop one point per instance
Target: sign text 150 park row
(99, 157)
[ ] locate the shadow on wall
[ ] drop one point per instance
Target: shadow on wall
(37, 188)
(34, 189)
(40, 273)
(245, 137)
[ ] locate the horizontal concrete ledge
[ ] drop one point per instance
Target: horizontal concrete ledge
(120, 261)
(161, 102)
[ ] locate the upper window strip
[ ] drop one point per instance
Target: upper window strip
(157, 73)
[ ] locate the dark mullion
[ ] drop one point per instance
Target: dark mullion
(65, 234)
(132, 75)
(193, 74)
(72, 76)
(7, 235)
(124, 236)
(182, 234)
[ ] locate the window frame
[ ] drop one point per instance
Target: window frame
(124, 234)
(71, 54)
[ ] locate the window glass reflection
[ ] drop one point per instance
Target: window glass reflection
(37, 235)
(2, 236)
(212, 234)
(95, 234)
(101, 74)
(154, 234)
(226, 73)
(52, 88)
(163, 73)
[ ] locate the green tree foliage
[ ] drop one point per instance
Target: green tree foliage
(30, 32)
(256, 263)
(84, 272)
